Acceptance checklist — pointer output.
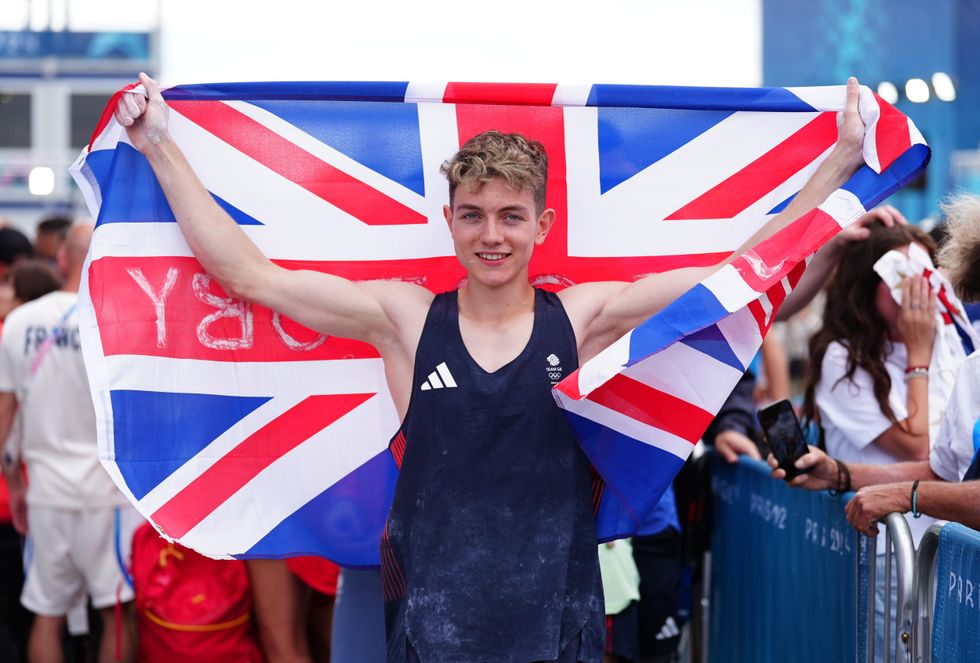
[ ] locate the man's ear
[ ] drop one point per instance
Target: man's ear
(545, 220)
(447, 213)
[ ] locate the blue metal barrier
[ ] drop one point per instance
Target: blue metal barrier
(956, 619)
(789, 577)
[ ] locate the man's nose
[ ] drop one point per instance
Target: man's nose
(491, 232)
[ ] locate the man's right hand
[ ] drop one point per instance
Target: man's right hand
(143, 116)
(819, 470)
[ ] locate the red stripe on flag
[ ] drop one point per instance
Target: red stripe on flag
(759, 313)
(653, 407)
(764, 174)
(511, 94)
(796, 274)
(129, 319)
(948, 305)
(892, 136)
(363, 202)
(254, 454)
(776, 295)
(569, 386)
(774, 258)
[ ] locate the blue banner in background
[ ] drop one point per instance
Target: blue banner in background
(784, 583)
(28, 44)
(956, 621)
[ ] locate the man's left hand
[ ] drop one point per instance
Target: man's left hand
(872, 503)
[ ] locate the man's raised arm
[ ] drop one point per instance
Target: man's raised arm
(372, 312)
(607, 311)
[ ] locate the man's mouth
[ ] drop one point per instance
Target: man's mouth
(492, 257)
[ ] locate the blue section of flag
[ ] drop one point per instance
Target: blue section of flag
(700, 98)
(636, 474)
(343, 523)
(155, 432)
(871, 188)
(354, 129)
(781, 206)
(691, 312)
(713, 343)
(131, 193)
(295, 90)
(630, 139)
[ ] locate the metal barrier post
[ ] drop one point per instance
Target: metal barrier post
(924, 593)
(904, 551)
(886, 642)
(872, 579)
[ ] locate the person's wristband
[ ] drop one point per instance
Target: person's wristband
(913, 367)
(915, 497)
(843, 484)
(913, 372)
(847, 477)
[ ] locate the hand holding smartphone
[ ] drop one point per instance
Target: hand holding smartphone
(784, 436)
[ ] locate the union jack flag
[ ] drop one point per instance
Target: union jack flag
(242, 434)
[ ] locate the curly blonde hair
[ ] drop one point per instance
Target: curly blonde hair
(960, 253)
(522, 163)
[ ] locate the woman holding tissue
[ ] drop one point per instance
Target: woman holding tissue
(879, 376)
(882, 366)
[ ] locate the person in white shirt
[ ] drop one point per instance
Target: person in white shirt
(924, 485)
(72, 507)
(875, 384)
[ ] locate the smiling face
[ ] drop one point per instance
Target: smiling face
(495, 229)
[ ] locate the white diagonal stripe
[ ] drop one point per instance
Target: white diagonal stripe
(435, 381)
(447, 377)
(637, 430)
(318, 463)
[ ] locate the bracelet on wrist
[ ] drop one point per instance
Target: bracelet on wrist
(915, 500)
(843, 483)
(847, 477)
(913, 372)
(912, 367)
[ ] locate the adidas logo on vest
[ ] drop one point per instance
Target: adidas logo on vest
(440, 378)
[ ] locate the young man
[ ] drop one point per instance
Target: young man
(489, 553)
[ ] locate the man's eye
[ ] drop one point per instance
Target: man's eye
(515, 217)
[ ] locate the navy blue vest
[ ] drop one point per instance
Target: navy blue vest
(489, 553)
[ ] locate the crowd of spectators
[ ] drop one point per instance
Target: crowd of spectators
(890, 395)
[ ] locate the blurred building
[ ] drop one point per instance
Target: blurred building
(55, 81)
(924, 57)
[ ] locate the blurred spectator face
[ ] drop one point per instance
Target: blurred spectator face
(25, 282)
(46, 245)
(50, 234)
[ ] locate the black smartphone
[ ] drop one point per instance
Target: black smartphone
(783, 435)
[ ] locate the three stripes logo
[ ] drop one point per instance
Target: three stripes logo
(440, 378)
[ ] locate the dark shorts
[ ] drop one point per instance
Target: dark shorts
(658, 559)
(568, 655)
(622, 634)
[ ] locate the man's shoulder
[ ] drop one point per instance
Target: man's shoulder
(45, 311)
(54, 304)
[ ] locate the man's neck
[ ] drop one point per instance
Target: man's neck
(485, 304)
(71, 283)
